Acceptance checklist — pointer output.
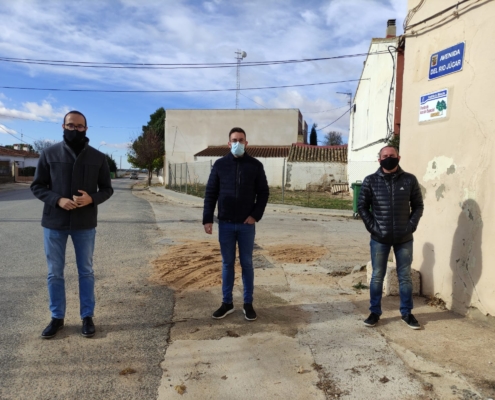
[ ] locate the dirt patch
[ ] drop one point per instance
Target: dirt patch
(296, 254)
(143, 193)
(193, 309)
(191, 265)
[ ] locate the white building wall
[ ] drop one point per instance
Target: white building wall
(274, 169)
(369, 118)
(31, 162)
(300, 174)
(21, 161)
(453, 157)
(187, 132)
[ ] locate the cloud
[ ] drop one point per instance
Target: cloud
(198, 32)
(45, 110)
(124, 145)
(309, 16)
(34, 111)
(5, 130)
(209, 6)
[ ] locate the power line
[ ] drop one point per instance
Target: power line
(333, 122)
(115, 65)
(175, 91)
(11, 134)
(261, 105)
(319, 112)
(57, 123)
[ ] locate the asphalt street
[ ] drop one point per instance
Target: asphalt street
(132, 314)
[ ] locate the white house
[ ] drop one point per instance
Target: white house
(21, 159)
(188, 132)
(375, 114)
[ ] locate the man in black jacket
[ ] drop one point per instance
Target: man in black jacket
(72, 178)
(391, 204)
(238, 183)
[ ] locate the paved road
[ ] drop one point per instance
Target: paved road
(131, 314)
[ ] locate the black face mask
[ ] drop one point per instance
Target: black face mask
(74, 137)
(389, 163)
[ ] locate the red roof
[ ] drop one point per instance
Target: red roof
(5, 151)
(253, 151)
(301, 152)
(298, 152)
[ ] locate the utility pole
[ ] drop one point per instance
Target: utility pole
(239, 57)
(120, 162)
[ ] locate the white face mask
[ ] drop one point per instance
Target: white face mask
(237, 149)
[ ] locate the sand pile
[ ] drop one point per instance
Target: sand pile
(296, 254)
(192, 265)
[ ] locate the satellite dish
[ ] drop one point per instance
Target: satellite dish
(243, 54)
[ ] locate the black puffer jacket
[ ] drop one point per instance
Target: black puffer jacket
(240, 187)
(61, 174)
(396, 206)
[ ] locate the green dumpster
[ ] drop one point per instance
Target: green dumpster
(356, 189)
(112, 175)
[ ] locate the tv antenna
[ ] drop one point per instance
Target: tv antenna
(350, 97)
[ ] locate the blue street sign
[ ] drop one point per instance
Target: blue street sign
(433, 96)
(446, 61)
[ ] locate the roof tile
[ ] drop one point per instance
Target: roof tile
(253, 151)
(5, 151)
(301, 152)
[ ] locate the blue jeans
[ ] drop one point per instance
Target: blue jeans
(228, 234)
(84, 245)
(403, 258)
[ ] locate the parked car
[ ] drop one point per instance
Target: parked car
(134, 175)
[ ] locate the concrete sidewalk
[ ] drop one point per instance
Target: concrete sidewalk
(14, 186)
(182, 198)
(309, 340)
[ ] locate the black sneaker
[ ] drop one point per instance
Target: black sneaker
(88, 327)
(53, 327)
(249, 312)
(223, 311)
(411, 321)
(372, 319)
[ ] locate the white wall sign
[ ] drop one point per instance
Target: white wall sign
(433, 105)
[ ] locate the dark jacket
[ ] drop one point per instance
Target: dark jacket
(61, 174)
(396, 206)
(240, 187)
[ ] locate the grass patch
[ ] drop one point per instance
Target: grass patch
(294, 198)
(359, 286)
(311, 199)
(196, 189)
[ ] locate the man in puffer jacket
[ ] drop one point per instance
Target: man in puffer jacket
(238, 183)
(391, 204)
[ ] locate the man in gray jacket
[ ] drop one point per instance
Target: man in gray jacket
(72, 178)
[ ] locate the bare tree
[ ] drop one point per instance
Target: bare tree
(42, 144)
(146, 152)
(333, 138)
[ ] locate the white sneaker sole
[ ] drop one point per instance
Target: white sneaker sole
(224, 315)
(370, 325)
(249, 319)
(412, 327)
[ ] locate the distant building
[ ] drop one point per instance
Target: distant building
(188, 132)
(9, 157)
(295, 166)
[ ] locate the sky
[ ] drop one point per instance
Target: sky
(178, 32)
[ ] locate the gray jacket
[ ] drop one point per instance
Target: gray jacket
(61, 174)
